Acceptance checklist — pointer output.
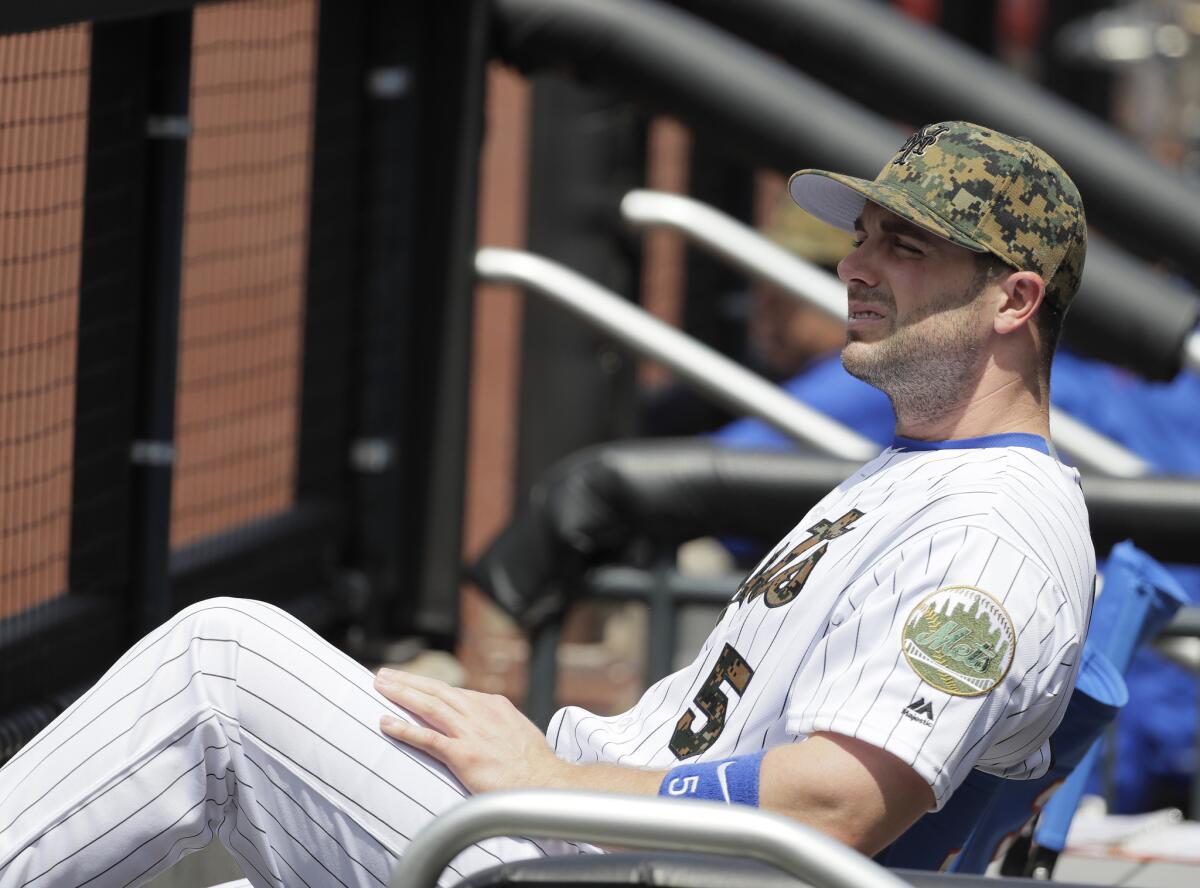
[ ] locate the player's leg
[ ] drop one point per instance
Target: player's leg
(232, 719)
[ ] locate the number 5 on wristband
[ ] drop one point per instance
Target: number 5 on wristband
(733, 781)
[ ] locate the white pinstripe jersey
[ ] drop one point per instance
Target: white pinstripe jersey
(933, 604)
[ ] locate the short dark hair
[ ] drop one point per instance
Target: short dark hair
(1049, 317)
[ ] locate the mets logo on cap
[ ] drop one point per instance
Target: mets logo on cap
(959, 640)
(919, 141)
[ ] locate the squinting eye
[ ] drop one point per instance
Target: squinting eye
(903, 246)
(857, 242)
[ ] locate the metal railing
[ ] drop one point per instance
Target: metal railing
(740, 245)
(639, 822)
(747, 250)
(1191, 353)
(725, 381)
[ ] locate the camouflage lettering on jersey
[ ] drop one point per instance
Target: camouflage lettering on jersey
(732, 668)
(959, 640)
(780, 578)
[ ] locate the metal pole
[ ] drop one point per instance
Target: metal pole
(640, 822)
(661, 626)
(441, 298)
(153, 452)
(1093, 451)
(756, 255)
(1191, 353)
(543, 672)
(715, 375)
(738, 244)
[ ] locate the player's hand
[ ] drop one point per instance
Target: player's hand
(482, 738)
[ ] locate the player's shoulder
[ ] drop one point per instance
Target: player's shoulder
(908, 484)
(1007, 466)
(1013, 489)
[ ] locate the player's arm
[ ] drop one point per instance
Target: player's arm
(489, 744)
(846, 788)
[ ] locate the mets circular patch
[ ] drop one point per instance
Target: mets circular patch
(960, 640)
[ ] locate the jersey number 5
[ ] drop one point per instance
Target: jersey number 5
(713, 703)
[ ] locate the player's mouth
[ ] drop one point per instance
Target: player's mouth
(861, 315)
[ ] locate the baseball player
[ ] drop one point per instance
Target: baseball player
(923, 619)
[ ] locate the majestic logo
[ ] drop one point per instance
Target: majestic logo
(919, 711)
(959, 640)
(922, 707)
(918, 142)
(781, 577)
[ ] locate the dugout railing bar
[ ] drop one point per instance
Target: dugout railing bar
(632, 327)
(377, 169)
(636, 822)
(742, 847)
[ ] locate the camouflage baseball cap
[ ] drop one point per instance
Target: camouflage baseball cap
(978, 188)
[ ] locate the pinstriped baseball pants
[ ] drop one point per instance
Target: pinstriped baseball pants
(231, 720)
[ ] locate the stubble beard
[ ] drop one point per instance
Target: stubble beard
(927, 366)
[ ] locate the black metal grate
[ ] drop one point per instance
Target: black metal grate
(242, 303)
(43, 134)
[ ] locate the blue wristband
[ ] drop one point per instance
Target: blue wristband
(732, 780)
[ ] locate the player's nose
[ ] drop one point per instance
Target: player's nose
(856, 266)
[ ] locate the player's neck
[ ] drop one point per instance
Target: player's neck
(998, 404)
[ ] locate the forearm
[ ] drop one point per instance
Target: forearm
(818, 783)
(845, 789)
(795, 786)
(603, 777)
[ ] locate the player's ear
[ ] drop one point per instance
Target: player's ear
(1023, 292)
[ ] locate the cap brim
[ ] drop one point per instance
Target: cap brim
(838, 200)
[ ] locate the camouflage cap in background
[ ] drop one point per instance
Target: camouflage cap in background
(975, 187)
(805, 235)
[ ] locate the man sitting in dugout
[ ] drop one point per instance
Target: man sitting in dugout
(925, 618)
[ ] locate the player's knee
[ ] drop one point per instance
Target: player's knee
(221, 617)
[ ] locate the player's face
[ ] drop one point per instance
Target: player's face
(914, 319)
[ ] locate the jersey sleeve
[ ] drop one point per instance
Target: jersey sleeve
(954, 651)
